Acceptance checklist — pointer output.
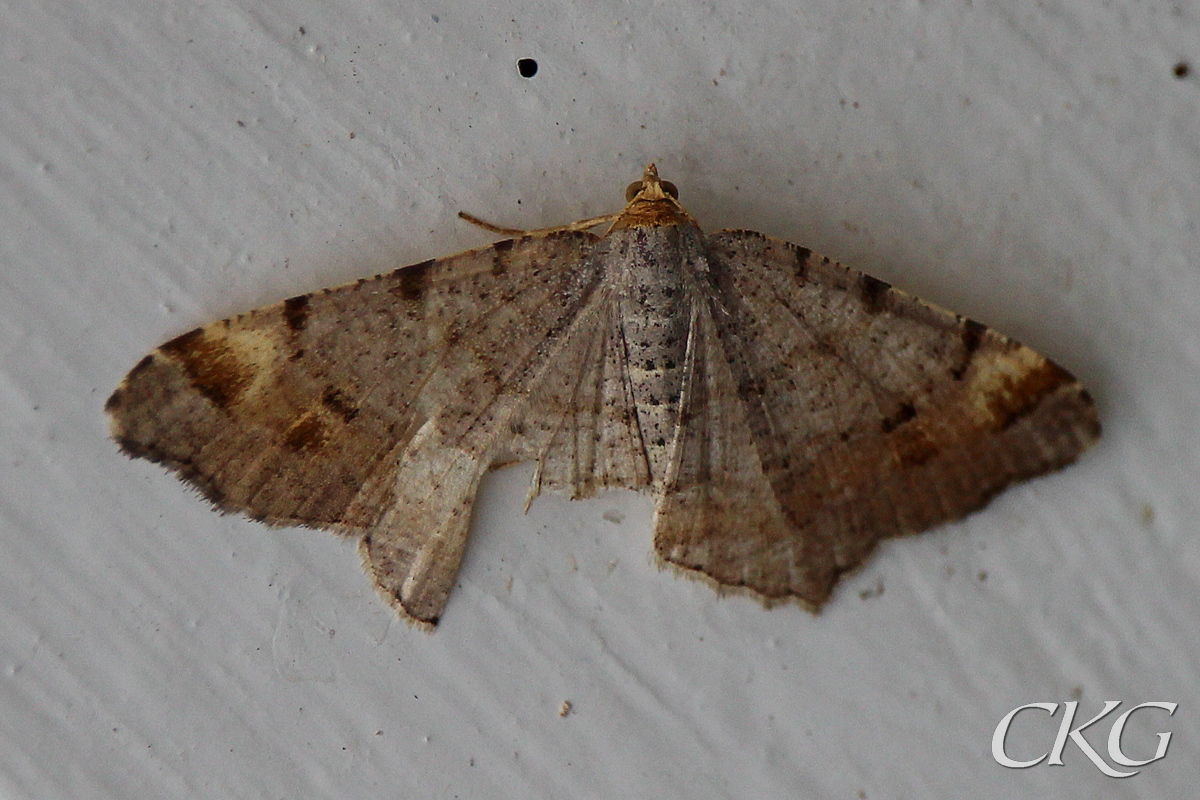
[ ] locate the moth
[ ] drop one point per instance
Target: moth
(787, 413)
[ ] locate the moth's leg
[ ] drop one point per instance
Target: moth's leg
(581, 225)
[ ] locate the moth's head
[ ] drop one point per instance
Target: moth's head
(651, 202)
(651, 187)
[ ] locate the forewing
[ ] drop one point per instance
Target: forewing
(305, 412)
(866, 413)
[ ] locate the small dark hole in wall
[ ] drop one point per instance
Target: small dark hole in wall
(1182, 69)
(527, 67)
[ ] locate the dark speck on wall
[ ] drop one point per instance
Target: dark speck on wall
(527, 67)
(1182, 69)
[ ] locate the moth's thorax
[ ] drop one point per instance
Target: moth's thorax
(652, 271)
(661, 212)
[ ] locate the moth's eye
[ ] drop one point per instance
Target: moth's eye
(670, 189)
(632, 189)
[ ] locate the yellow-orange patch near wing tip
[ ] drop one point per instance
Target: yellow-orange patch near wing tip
(1012, 384)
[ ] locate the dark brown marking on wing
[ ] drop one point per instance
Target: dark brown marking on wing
(117, 398)
(803, 254)
(114, 400)
(972, 337)
(903, 414)
(295, 312)
(500, 257)
(136, 448)
(213, 368)
(183, 341)
(140, 367)
(340, 404)
(306, 433)
(873, 293)
(413, 280)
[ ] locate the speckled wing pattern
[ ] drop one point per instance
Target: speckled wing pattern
(372, 409)
(827, 410)
(788, 413)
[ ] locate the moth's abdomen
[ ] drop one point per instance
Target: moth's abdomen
(654, 320)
